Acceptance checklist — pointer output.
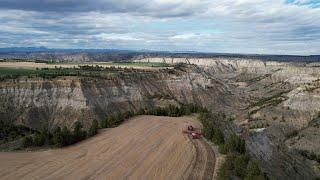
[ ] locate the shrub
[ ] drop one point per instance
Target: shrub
(119, 118)
(103, 123)
(253, 171)
(240, 166)
(226, 170)
(58, 137)
(27, 141)
(94, 128)
(218, 137)
(128, 114)
(223, 149)
(291, 134)
(68, 137)
(310, 155)
(140, 112)
(78, 133)
(235, 144)
(39, 139)
(110, 121)
(10, 131)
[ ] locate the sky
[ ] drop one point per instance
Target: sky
(222, 26)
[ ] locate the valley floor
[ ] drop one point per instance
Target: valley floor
(145, 147)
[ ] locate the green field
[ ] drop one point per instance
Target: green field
(93, 69)
(119, 63)
(142, 64)
(84, 71)
(16, 71)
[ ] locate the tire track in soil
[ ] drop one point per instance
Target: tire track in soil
(146, 147)
(203, 167)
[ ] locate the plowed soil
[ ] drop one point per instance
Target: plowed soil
(145, 147)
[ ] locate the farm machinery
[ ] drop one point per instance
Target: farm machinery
(193, 132)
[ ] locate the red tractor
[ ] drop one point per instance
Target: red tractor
(190, 128)
(196, 135)
(192, 132)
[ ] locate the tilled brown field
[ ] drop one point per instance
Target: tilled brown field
(145, 147)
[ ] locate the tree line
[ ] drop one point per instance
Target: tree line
(60, 137)
(11, 132)
(238, 164)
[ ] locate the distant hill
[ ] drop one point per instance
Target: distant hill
(23, 49)
(80, 55)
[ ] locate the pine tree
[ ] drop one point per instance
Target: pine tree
(94, 128)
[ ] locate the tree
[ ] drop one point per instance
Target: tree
(110, 122)
(226, 170)
(94, 128)
(27, 141)
(39, 139)
(188, 109)
(223, 149)
(103, 123)
(67, 136)
(218, 137)
(236, 144)
(140, 111)
(119, 118)
(128, 114)
(253, 172)
(158, 111)
(77, 126)
(57, 137)
(240, 165)
(78, 133)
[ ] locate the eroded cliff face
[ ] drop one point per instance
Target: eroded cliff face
(279, 105)
(299, 78)
(64, 100)
(39, 102)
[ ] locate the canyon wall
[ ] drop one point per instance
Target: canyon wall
(38, 102)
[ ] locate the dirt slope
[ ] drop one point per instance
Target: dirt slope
(145, 147)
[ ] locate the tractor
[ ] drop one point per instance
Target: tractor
(190, 130)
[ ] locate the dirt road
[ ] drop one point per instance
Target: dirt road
(145, 147)
(203, 166)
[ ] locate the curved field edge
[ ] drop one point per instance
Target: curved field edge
(147, 147)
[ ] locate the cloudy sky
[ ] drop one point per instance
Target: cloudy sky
(233, 26)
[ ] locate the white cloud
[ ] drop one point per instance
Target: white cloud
(113, 37)
(245, 26)
(186, 36)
